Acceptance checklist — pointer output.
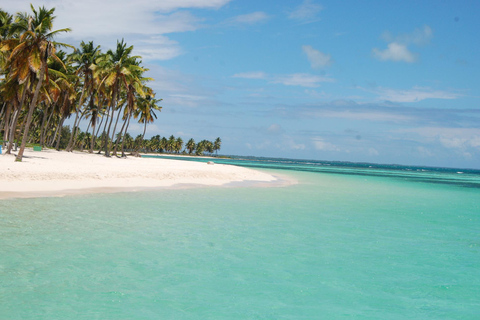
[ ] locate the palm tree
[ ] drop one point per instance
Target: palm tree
(135, 89)
(145, 112)
(209, 146)
(163, 144)
(171, 143)
(178, 144)
(113, 68)
(217, 144)
(84, 58)
(29, 53)
(200, 148)
(60, 87)
(190, 146)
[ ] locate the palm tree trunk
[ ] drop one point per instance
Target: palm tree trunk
(120, 135)
(113, 104)
(42, 127)
(11, 131)
(70, 141)
(104, 132)
(7, 122)
(47, 126)
(33, 104)
(76, 131)
(116, 122)
(4, 119)
(143, 135)
(94, 138)
(94, 122)
(126, 130)
(59, 130)
(13, 125)
(60, 121)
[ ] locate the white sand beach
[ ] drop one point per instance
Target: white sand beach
(54, 173)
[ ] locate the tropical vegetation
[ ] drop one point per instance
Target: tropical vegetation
(42, 85)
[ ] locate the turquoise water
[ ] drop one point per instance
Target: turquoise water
(356, 244)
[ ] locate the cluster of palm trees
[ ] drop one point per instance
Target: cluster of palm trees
(41, 86)
(175, 145)
(155, 144)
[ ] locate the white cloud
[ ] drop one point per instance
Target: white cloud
(317, 59)
(91, 18)
(320, 144)
(296, 79)
(158, 48)
(251, 75)
(185, 100)
(251, 18)
(420, 36)
(424, 152)
(395, 52)
(373, 152)
(463, 141)
(289, 143)
(413, 95)
(302, 80)
(397, 48)
(306, 12)
(360, 115)
(275, 129)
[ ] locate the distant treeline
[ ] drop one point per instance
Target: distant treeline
(138, 144)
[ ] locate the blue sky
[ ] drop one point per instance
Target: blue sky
(363, 81)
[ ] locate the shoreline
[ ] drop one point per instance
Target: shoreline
(51, 173)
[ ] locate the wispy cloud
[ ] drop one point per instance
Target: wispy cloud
(296, 79)
(320, 144)
(317, 59)
(248, 19)
(306, 12)
(419, 36)
(302, 80)
(414, 95)
(397, 48)
(251, 75)
(362, 114)
(465, 141)
(158, 48)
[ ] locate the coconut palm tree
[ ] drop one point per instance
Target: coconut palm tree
(84, 58)
(145, 111)
(200, 148)
(113, 68)
(190, 146)
(178, 145)
(134, 90)
(217, 144)
(171, 143)
(30, 53)
(163, 144)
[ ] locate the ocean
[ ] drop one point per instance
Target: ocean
(350, 241)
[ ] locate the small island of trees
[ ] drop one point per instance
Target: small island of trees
(41, 86)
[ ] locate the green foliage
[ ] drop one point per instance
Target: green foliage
(100, 89)
(64, 136)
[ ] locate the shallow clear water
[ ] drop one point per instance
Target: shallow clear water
(335, 246)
